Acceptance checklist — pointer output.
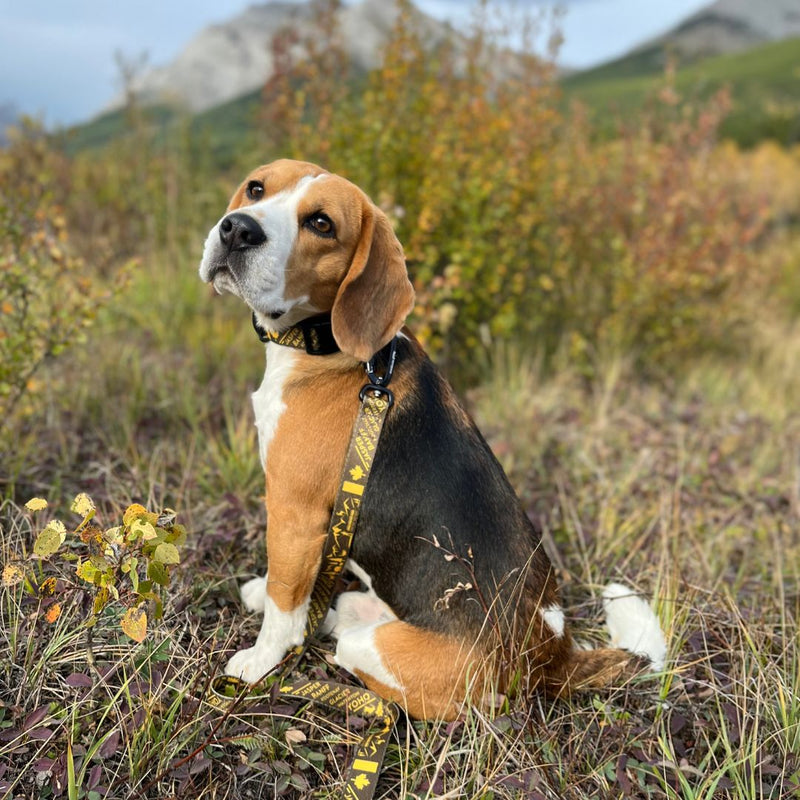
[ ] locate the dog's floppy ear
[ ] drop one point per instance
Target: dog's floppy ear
(375, 296)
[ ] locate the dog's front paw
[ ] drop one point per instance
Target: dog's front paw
(250, 665)
(254, 594)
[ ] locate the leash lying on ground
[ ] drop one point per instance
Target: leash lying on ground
(376, 400)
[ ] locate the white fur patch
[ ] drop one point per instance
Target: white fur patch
(359, 572)
(356, 650)
(354, 609)
(254, 594)
(280, 630)
(553, 617)
(268, 402)
(633, 625)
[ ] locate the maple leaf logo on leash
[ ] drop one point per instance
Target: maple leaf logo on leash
(361, 782)
(356, 473)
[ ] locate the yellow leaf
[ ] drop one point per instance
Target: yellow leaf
(114, 535)
(87, 571)
(144, 529)
(83, 505)
(50, 539)
(53, 613)
(100, 600)
(47, 587)
(546, 282)
(12, 575)
(36, 504)
(58, 526)
(134, 623)
(91, 533)
(136, 511)
(132, 513)
(356, 473)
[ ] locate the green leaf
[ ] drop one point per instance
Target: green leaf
(158, 573)
(99, 561)
(176, 535)
(134, 563)
(167, 554)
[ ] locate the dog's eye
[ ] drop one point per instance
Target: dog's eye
(321, 224)
(255, 190)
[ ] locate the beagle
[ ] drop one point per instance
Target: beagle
(461, 601)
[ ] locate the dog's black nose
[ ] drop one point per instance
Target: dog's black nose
(240, 231)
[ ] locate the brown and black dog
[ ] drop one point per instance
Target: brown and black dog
(461, 599)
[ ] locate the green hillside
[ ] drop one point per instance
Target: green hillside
(111, 125)
(764, 84)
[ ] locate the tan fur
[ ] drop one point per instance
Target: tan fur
(439, 673)
(276, 176)
(375, 296)
(302, 472)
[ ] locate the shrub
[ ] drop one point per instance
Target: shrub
(47, 294)
(126, 565)
(516, 223)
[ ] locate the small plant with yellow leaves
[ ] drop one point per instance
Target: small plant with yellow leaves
(127, 565)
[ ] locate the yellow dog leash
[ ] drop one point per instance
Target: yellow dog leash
(376, 400)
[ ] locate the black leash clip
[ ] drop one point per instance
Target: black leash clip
(378, 383)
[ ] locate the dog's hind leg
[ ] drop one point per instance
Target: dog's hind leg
(427, 673)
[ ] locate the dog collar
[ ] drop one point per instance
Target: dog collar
(314, 335)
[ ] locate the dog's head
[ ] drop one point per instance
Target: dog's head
(298, 241)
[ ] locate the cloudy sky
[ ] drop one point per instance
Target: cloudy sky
(57, 56)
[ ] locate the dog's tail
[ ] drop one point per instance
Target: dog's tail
(637, 642)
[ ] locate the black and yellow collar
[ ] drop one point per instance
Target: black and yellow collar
(314, 335)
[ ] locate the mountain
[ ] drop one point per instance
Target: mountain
(219, 75)
(752, 48)
(724, 26)
(234, 58)
(728, 26)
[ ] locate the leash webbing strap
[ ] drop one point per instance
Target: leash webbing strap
(375, 403)
(365, 767)
(362, 776)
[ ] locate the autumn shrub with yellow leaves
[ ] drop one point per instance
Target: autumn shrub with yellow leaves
(517, 223)
(88, 567)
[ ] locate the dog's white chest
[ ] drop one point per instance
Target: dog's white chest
(268, 403)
